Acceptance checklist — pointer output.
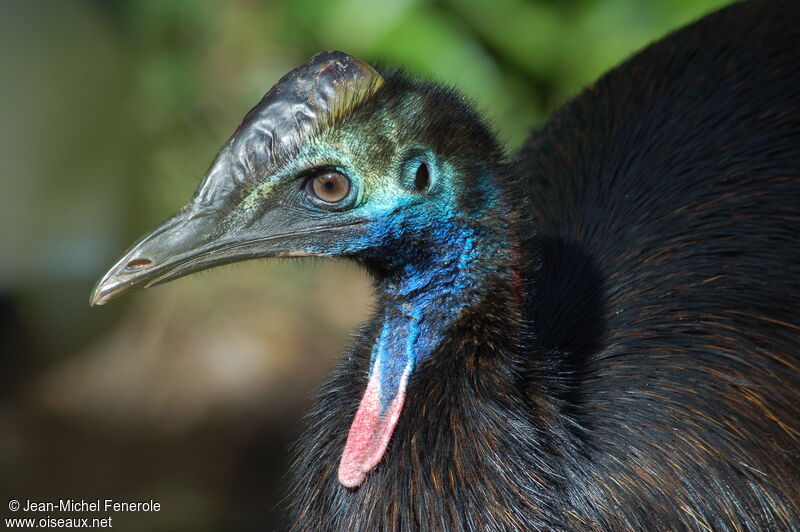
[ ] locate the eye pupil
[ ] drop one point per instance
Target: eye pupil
(330, 187)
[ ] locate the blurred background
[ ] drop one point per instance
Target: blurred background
(110, 111)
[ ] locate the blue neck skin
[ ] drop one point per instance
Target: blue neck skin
(425, 298)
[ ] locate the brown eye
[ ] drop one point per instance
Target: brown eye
(330, 187)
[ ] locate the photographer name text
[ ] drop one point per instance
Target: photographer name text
(96, 505)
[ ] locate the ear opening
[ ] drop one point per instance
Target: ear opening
(422, 178)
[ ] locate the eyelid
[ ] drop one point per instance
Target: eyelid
(318, 170)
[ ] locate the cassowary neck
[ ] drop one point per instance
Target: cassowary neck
(421, 302)
(447, 267)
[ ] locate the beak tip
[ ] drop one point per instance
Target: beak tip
(115, 283)
(106, 289)
(96, 298)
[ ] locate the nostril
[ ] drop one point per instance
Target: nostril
(135, 264)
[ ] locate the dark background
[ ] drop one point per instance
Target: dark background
(190, 393)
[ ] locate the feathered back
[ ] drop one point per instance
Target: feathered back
(671, 189)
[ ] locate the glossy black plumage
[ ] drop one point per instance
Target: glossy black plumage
(645, 374)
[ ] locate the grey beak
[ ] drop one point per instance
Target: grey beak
(166, 253)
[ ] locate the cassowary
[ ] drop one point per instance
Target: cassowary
(601, 332)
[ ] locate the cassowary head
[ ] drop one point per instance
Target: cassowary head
(335, 160)
(339, 160)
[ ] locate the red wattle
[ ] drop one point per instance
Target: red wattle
(370, 432)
